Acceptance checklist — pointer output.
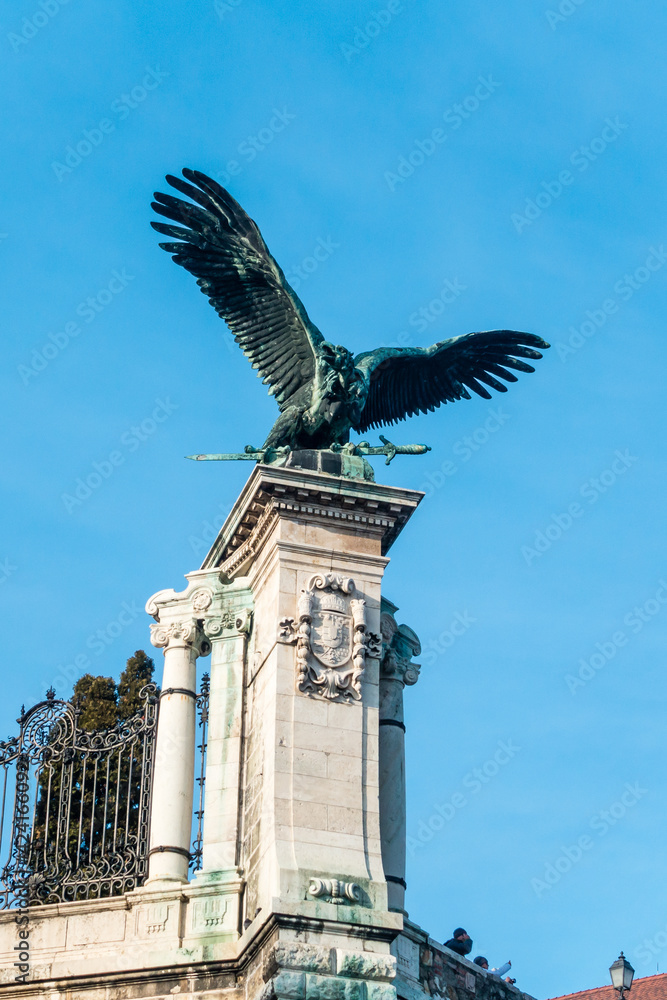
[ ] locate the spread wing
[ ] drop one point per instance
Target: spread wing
(224, 249)
(409, 380)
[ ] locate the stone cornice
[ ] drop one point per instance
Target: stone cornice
(271, 493)
(219, 610)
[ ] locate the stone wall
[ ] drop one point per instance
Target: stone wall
(427, 968)
(295, 971)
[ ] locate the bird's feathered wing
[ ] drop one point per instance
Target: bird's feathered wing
(223, 248)
(409, 380)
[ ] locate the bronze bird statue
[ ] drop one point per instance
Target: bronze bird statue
(322, 391)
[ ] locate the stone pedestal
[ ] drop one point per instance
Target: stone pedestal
(311, 550)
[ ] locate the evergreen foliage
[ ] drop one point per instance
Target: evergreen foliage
(102, 703)
(97, 700)
(138, 672)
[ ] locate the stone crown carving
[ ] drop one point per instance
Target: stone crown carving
(331, 638)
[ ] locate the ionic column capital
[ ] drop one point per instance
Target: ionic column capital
(185, 633)
(400, 645)
(228, 624)
(395, 668)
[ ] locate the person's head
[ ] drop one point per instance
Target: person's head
(460, 935)
(481, 961)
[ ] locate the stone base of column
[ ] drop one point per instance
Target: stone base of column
(218, 896)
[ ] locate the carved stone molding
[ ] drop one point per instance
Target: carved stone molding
(201, 599)
(274, 507)
(332, 890)
(273, 493)
(209, 914)
(246, 543)
(183, 633)
(156, 918)
(400, 644)
(331, 638)
(230, 622)
(153, 603)
(192, 603)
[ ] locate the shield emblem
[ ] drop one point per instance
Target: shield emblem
(331, 637)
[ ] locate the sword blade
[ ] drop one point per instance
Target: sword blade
(254, 456)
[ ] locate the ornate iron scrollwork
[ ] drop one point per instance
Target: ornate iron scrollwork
(202, 707)
(79, 825)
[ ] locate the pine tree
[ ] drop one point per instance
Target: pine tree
(97, 700)
(137, 673)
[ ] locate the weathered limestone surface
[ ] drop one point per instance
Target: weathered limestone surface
(291, 900)
(309, 545)
(300, 895)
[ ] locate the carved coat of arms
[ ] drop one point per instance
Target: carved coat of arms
(331, 638)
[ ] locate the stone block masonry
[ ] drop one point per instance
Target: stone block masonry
(300, 895)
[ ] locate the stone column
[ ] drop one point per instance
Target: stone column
(173, 783)
(396, 670)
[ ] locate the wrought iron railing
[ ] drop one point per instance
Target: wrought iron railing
(75, 805)
(202, 709)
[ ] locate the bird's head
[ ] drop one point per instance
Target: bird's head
(338, 357)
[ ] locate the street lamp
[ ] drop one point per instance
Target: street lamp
(621, 975)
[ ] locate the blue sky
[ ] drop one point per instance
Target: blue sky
(466, 166)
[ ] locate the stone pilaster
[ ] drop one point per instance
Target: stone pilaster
(223, 612)
(228, 634)
(219, 885)
(400, 644)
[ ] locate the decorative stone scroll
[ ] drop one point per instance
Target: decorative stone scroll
(181, 633)
(237, 621)
(331, 638)
(332, 890)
